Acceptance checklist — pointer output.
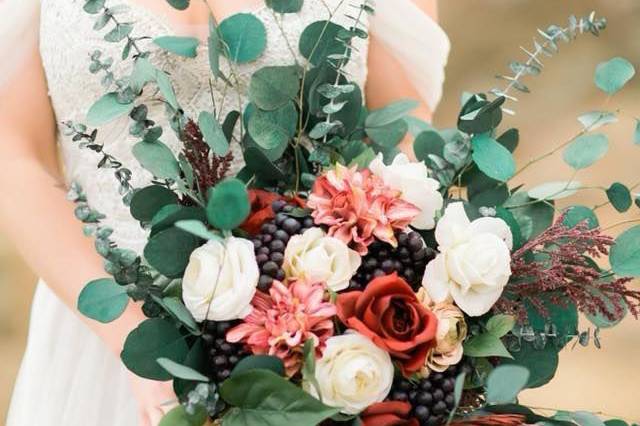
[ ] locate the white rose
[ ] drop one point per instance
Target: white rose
(417, 188)
(314, 256)
(220, 280)
(474, 263)
(353, 373)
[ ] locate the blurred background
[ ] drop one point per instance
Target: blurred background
(485, 36)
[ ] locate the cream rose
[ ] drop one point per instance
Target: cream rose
(353, 373)
(317, 257)
(474, 263)
(417, 188)
(220, 280)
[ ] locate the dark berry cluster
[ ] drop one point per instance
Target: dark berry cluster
(222, 356)
(408, 259)
(431, 399)
(274, 235)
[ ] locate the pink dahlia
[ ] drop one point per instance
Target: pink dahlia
(283, 320)
(358, 207)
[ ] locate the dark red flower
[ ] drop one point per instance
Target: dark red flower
(260, 209)
(388, 413)
(389, 313)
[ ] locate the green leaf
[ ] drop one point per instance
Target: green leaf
(586, 150)
(179, 311)
(479, 115)
(273, 87)
(158, 159)
(390, 135)
(181, 371)
(577, 214)
(636, 133)
(148, 201)
(258, 163)
(228, 205)
(493, 159)
(213, 134)
(214, 48)
(320, 40)
(594, 119)
(168, 251)
(416, 125)
(390, 113)
(505, 383)
(612, 75)
(153, 339)
(509, 139)
(615, 422)
(287, 403)
(599, 319)
(285, 6)
(103, 300)
(244, 36)
(532, 217)
(619, 196)
(513, 224)
(500, 325)
(181, 46)
(625, 253)
(458, 388)
(106, 109)
(262, 362)
(166, 88)
(93, 6)
(272, 130)
(485, 345)
(119, 33)
(197, 228)
(179, 4)
(178, 416)
(554, 190)
(168, 215)
(584, 418)
(542, 364)
(428, 143)
(564, 318)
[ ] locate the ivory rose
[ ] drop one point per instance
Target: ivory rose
(474, 263)
(314, 256)
(353, 373)
(417, 188)
(220, 280)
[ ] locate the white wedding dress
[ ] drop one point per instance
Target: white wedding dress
(68, 377)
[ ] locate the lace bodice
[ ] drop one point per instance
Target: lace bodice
(66, 42)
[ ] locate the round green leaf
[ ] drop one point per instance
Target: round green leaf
(554, 190)
(602, 321)
(542, 364)
(564, 318)
(390, 113)
(613, 74)
(153, 339)
(170, 214)
(505, 383)
(586, 150)
(182, 46)
(146, 202)
(181, 371)
(285, 6)
(577, 214)
(179, 4)
(245, 37)
(620, 197)
(625, 254)
(264, 362)
(178, 416)
(228, 205)
(213, 134)
(493, 159)
(273, 87)
(103, 300)
(390, 135)
(272, 130)
(168, 251)
(158, 159)
(533, 218)
(320, 40)
(107, 108)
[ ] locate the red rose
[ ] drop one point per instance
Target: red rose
(390, 314)
(388, 413)
(261, 211)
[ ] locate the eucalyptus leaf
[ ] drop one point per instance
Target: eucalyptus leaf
(146, 202)
(320, 40)
(554, 190)
(228, 204)
(619, 196)
(389, 135)
(263, 362)
(103, 300)
(196, 228)
(428, 142)
(272, 130)
(541, 363)
(390, 113)
(213, 134)
(485, 345)
(158, 159)
(625, 253)
(244, 36)
(213, 49)
(505, 383)
(106, 109)
(179, 311)
(285, 6)
(93, 6)
(178, 416)
(595, 119)
(181, 371)
(274, 86)
(636, 133)
(533, 217)
(492, 159)
(182, 46)
(586, 150)
(119, 33)
(501, 324)
(579, 214)
(179, 4)
(612, 75)
(168, 251)
(166, 88)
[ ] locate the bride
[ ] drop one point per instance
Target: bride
(71, 374)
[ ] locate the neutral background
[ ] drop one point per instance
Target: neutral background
(486, 35)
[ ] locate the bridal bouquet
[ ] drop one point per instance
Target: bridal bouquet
(334, 279)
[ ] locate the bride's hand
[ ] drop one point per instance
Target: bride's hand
(154, 399)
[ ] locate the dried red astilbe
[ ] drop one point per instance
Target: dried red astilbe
(555, 264)
(492, 420)
(208, 168)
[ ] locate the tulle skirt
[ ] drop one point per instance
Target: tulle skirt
(68, 377)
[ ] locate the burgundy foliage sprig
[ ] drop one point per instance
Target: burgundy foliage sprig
(557, 265)
(208, 168)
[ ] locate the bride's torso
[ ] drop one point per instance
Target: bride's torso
(67, 40)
